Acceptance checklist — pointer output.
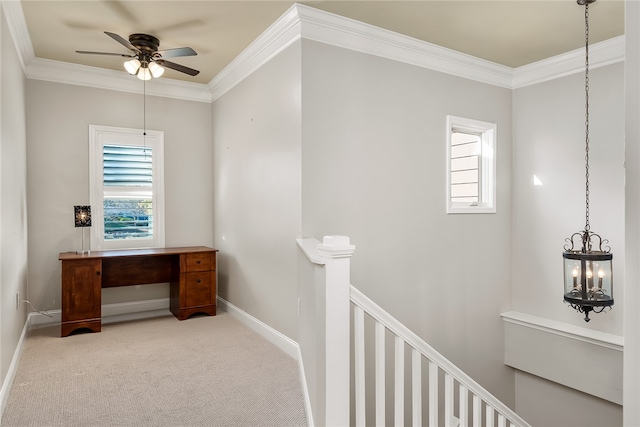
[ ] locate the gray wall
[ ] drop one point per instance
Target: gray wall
(373, 162)
(13, 198)
(256, 164)
(632, 224)
(544, 404)
(549, 142)
(58, 120)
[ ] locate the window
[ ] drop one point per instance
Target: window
(127, 188)
(471, 166)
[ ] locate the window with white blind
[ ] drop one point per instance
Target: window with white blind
(127, 186)
(471, 166)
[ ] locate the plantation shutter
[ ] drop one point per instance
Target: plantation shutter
(128, 166)
(465, 167)
(128, 192)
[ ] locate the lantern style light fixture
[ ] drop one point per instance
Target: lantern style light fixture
(588, 272)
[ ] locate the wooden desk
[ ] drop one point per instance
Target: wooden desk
(190, 270)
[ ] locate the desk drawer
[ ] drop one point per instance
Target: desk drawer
(200, 288)
(201, 261)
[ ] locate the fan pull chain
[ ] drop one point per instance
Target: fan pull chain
(144, 117)
(144, 108)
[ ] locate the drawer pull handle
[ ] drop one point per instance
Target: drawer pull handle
(198, 280)
(98, 273)
(198, 262)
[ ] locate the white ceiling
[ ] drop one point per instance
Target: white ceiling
(507, 32)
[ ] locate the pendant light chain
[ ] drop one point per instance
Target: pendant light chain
(586, 87)
(587, 257)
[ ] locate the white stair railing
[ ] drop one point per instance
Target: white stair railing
(452, 397)
(473, 405)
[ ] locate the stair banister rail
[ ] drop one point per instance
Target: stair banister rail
(403, 335)
(325, 299)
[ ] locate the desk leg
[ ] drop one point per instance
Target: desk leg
(81, 295)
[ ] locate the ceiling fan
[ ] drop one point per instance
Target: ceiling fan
(147, 60)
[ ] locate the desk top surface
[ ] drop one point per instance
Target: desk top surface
(68, 256)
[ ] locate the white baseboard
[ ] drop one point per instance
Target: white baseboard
(137, 310)
(111, 313)
(13, 368)
(281, 341)
(305, 390)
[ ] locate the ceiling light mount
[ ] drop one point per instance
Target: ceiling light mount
(588, 270)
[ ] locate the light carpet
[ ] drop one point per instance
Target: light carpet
(204, 371)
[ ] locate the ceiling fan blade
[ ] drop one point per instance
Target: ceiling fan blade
(179, 51)
(86, 52)
(124, 42)
(177, 67)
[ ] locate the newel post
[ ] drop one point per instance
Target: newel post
(337, 251)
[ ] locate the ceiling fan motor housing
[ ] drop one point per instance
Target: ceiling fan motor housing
(144, 42)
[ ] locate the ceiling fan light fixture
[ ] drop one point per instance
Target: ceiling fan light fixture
(132, 66)
(145, 53)
(156, 70)
(144, 73)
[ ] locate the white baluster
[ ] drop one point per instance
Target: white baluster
(463, 407)
(489, 417)
(502, 422)
(358, 326)
(433, 394)
(477, 411)
(380, 374)
(399, 382)
(448, 400)
(416, 387)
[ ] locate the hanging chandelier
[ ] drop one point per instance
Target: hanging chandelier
(588, 272)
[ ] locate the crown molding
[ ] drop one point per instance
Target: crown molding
(600, 54)
(82, 75)
(304, 22)
(347, 33)
(301, 21)
(280, 35)
(18, 29)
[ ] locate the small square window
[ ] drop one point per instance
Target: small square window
(471, 166)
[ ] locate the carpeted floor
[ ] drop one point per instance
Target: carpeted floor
(205, 371)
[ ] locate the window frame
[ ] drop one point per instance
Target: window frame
(486, 164)
(99, 136)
